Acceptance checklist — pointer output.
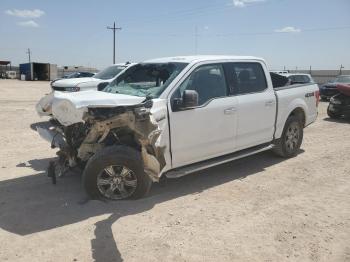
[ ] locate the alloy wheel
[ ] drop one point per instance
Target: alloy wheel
(292, 137)
(116, 182)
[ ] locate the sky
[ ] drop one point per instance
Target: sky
(286, 33)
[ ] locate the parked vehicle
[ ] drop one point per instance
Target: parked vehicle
(79, 75)
(339, 104)
(3, 75)
(175, 116)
(89, 83)
(75, 75)
(280, 72)
(330, 89)
(299, 78)
(11, 74)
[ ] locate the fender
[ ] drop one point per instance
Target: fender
(284, 113)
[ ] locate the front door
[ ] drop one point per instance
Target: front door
(209, 129)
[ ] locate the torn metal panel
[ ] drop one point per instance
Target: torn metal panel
(101, 127)
(140, 124)
(52, 136)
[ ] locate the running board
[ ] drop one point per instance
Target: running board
(183, 171)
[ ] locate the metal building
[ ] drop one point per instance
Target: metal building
(38, 71)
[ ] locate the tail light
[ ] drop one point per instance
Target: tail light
(317, 96)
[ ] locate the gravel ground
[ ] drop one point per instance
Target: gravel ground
(261, 208)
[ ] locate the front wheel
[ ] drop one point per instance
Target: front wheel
(292, 136)
(331, 114)
(116, 173)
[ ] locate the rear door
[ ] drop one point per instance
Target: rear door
(256, 103)
(209, 129)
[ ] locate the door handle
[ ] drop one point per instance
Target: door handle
(269, 103)
(230, 110)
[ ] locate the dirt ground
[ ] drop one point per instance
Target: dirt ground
(261, 208)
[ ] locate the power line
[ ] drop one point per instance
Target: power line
(114, 29)
(150, 34)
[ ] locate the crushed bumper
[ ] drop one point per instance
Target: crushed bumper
(44, 106)
(51, 135)
(340, 109)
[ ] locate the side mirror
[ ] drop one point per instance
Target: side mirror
(189, 98)
(102, 86)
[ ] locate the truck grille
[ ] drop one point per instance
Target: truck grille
(58, 88)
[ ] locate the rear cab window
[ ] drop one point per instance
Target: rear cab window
(245, 78)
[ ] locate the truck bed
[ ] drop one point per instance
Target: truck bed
(302, 96)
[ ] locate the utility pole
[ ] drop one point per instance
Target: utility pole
(114, 29)
(28, 52)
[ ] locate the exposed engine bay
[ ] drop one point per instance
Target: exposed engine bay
(132, 125)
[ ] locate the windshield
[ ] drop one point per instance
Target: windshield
(109, 72)
(342, 79)
(72, 75)
(148, 79)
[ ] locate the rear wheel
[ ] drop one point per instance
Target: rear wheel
(332, 114)
(116, 173)
(291, 139)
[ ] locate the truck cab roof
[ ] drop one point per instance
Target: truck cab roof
(201, 58)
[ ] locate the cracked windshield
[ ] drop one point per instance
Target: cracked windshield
(146, 80)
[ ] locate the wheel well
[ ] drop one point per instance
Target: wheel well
(298, 112)
(123, 137)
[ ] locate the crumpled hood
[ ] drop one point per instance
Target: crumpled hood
(72, 82)
(68, 108)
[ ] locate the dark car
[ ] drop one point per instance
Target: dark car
(339, 104)
(330, 89)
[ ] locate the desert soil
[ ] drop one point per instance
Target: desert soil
(261, 208)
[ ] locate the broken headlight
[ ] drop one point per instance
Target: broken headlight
(335, 101)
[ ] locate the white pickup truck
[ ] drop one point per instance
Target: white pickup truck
(175, 116)
(89, 83)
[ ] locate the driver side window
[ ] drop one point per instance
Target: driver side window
(207, 80)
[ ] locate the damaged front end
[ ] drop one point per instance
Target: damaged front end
(131, 125)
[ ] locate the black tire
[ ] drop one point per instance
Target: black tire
(282, 146)
(332, 114)
(115, 156)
